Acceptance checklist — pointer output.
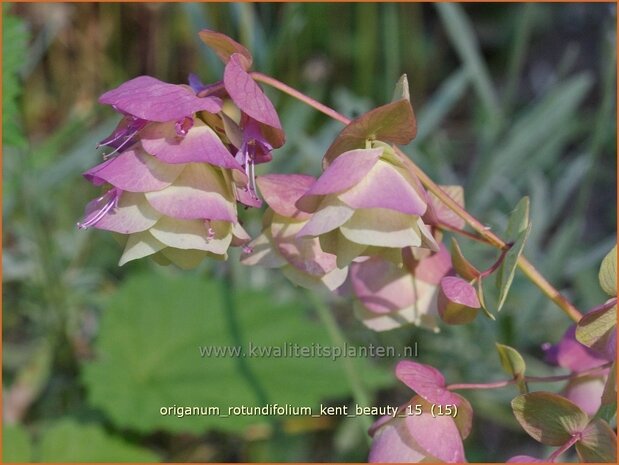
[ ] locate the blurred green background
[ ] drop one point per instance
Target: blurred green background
(511, 100)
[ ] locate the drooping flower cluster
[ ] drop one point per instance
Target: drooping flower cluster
(367, 218)
(183, 156)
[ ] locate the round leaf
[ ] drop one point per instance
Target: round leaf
(598, 443)
(549, 418)
(69, 441)
(156, 348)
(511, 360)
(608, 273)
(16, 445)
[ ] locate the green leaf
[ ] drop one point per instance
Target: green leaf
(462, 266)
(608, 407)
(16, 445)
(507, 270)
(402, 90)
(511, 361)
(608, 273)
(549, 418)
(394, 122)
(70, 441)
(14, 49)
(517, 231)
(148, 356)
(595, 329)
(479, 286)
(598, 443)
(518, 220)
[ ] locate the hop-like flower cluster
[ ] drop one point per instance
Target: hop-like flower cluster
(183, 156)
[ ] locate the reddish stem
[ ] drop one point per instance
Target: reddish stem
(573, 440)
(530, 379)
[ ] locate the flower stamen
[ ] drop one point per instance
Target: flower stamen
(102, 206)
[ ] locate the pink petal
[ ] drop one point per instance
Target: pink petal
(435, 267)
(426, 381)
(200, 145)
(384, 187)
(247, 94)
(438, 435)
(459, 291)
(381, 286)
(132, 215)
(393, 444)
(281, 192)
(346, 171)
(439, 213)
(198, 193)
(586, 392)
(224, 46)
(134, 171)
(153, 100)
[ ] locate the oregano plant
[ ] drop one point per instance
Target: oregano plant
(181, 169)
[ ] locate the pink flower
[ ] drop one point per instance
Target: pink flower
(181, 212)
(300, 259)
(365, 204)
(415, 434)
(388, 296)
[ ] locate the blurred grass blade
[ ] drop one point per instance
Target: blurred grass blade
(462, 36)
(433, 113)
(526, 135)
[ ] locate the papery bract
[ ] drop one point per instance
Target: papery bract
(365, 204)
(300, 259)
(388, 296)
(457, 301)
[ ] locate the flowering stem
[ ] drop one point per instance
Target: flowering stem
(484, 232)
(531, 379)
(360, 395)
(268, 80)
(573, 440)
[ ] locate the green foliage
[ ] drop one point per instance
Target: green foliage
(549, 418)
(16, 446)
(518, 230)
(595, 328)
(14, 49)
(513, 363)
(608, 273)
(462, 266)
(70, 441)
(148, 355)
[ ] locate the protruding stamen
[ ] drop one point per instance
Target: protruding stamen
(100, 207)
